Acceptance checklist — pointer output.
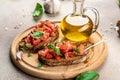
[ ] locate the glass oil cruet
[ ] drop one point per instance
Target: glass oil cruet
(78, 26)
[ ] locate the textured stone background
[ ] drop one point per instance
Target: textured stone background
(19, 13)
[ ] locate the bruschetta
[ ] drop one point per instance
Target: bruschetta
(40, 35)
(63, 53)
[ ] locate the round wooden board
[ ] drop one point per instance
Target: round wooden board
(29, 64)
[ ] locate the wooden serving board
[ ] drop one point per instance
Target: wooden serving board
(29, 64)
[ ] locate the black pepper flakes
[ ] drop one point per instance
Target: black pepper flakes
(118, 24)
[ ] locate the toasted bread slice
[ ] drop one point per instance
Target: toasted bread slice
(66, 61)
(51, 33)
(62, 61)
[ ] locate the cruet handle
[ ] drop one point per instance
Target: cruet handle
(96, 13)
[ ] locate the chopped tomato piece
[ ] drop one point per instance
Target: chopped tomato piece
(40, 29)
(52, 34)
(34, 29)
(67, 47)
(63, 48)
(42, 53)
(45, 36)
(48, 23)
(36, 42)
(48, 56)
(81, 49)
(47, 29)
(28, 39)
(68, 55)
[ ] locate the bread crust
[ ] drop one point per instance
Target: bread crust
(69, 61)
(62, 61)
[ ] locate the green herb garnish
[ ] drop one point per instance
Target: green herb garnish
(26, 46)
(57, 51)
(63, 42)
(76, 50)
(23, 48)
(89, 75)
(29, 54)
(37, 34)
(38, 11)
(40, 65)
(119, 2)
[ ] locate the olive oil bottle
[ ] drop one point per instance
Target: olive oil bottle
(78, 26)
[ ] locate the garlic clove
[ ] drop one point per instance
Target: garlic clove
(52, 6)
(19, 55)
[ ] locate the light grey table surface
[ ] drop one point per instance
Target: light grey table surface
(19, 13)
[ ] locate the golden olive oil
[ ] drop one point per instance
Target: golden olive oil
(76, 27)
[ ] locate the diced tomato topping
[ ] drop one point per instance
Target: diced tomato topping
(49, 56)
(63, 48)
(28, 39)
(48, 23)
(45, 26)
(47, 29)
(68, 55)
(53, 28)
(40, 29)
(67, 47)
(81, 49)
(52, 34)
(36, 42)
(42, 53)
(56, 56)
(34, 29)
(45, 36)
(66, 51)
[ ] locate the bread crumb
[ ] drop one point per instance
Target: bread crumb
(16, 27)
(6, 28)
(20, 24)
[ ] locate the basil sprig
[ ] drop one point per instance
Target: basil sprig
(57, 51)
(38, 11)
(76, 50)
(89, 75)
(37, 34)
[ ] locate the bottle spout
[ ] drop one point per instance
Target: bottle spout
(78, 7)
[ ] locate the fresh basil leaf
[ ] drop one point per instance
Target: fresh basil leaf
(76, 50)
(29, 54)
(24, 48)
(38, 11)
(40, 65)
(119, 2)
(57, 51)
(37, 34)
(89, 75)
(51, 46)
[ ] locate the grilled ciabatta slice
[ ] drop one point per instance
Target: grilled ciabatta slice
(41, 35)
(63, 53)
